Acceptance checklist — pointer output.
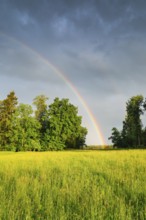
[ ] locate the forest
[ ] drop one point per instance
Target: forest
(133, 133)
(49, 127)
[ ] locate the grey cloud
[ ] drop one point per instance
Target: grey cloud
(17, 61)
(98, 44)
(84, 14)
(72, 21)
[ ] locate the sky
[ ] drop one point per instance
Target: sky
(92, 52)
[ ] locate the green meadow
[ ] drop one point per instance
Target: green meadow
(73, 185)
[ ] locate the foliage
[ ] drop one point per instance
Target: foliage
(52, 127)
(73, 185)
(65, 125)
(116, 137)
(41, 107)
(132, 134)
(7, 109)
(26, 130)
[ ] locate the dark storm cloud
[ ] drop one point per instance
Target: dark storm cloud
(83, 16)
(83, 37)
(98, 44)
(73, 22)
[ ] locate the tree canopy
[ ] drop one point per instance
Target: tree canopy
(132, 134)
(49, 127)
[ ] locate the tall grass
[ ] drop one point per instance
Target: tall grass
(73, 185)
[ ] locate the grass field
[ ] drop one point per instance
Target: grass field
(73, 185)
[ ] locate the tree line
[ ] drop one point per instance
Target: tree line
(133, 133)
(49, 127)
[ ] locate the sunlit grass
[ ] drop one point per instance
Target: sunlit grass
(73, 185)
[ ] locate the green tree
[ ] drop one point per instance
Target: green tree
(7, 109)
(132, 132)
(124, 136)
(41, 107)
(65, 125)
(116, 137)
(41, 114)
(26, 129)
(134, 109)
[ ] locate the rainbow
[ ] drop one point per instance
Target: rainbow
(69, 84)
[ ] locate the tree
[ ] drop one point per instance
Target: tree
(134, 108)
(132, 132)
(41, 114)
(26, 129)
(65, 125)
(41, 107)
(124, 136)
(7, 109)
(116, 137)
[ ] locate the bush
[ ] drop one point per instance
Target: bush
(56, 145)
